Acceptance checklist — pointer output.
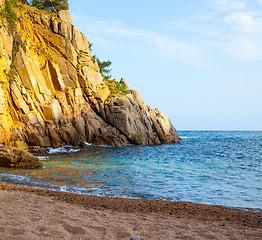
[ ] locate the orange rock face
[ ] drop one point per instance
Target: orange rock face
(52, 92)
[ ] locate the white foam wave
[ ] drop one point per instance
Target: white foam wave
(13, 178)
(43, 158)
(64, 149)
(63, 189)
(94, 145)
(183, 137)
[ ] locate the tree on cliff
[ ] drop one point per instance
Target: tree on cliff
(52, 5)
(103, 65)
(38, 4)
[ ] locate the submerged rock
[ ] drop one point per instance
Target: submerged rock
(16, 158)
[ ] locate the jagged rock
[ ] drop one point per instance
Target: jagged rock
(16, 158)
(1, 4)
(163, 127)
(80, 126)
(99, 132)
(52, 132)
(52, 111)
(127, 116)
(65, 30)
(68, 133)
(65, 16)
(54, 24)
(123, 81)
(52, 92)
(137, 98)
(38, 150)
(79, 40)
(21, 145)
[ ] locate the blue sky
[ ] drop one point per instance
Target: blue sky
(200, 62)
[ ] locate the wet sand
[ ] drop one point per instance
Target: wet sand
(28, 213)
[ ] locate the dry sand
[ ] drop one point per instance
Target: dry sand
(27, 213)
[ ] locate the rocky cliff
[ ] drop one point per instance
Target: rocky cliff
(52, 92)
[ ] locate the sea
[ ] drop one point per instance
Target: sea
(211, 167)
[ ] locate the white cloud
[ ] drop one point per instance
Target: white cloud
(184, 51)
(243, 48)
(110, 33)
(235, 33)
(244, 38)
(194, 26)
(227, 27)
(229, 5)
(247, 22)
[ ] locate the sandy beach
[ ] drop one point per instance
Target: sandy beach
(27, 213)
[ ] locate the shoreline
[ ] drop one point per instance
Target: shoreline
(202, 212)
(32, 213)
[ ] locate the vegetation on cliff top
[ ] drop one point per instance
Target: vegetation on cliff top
(103, 65)
(51, 5)
(9, 13)
(11, 17)
(116, 88)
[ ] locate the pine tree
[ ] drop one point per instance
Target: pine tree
(56, 5)
(103, 66)
(52, 5)
(38, 4)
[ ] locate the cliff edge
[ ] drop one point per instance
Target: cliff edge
(52, 93)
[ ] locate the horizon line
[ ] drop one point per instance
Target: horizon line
(227, 130)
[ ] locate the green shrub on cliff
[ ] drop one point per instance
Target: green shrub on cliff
(9, 11)
(116, 88)
(12, 71)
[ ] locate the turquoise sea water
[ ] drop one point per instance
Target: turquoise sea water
(212, 167)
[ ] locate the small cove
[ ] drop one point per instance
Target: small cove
(211, 167)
